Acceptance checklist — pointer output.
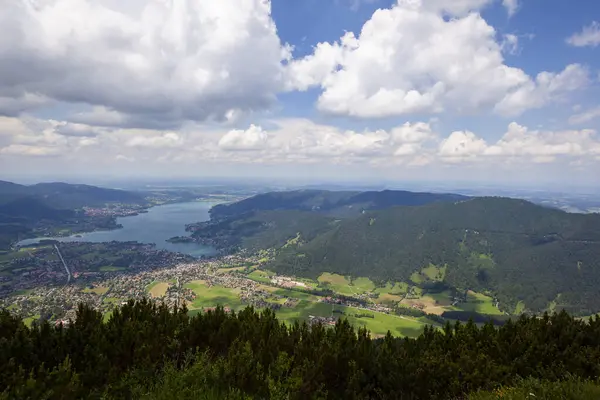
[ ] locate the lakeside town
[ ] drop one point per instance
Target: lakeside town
(58, 280)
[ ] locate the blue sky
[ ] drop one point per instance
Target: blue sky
(498, 91)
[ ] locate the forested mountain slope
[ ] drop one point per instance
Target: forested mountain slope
(67, 196)
(271, 219)
(513, 248)
(328, 202)
(23, 207)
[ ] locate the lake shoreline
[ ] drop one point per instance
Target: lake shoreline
(156, 226)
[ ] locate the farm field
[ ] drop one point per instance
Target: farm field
(111, 268)
(378, 325)
(338, 283)
(480, 303)
(100, 290)
(306, 304)
(259, 276)
(214, 295)
(229, 269)
(158, 289)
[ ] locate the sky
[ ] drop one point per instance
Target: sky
(482, 91)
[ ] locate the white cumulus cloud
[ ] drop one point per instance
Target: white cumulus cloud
(586, 116)
(172, 59)
(589, 36)
(253, 138)
(520, 143)
(413, 59)
(169, 139)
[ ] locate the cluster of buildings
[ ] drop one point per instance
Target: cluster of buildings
(350, 303)
(115, 210)
(313, 320)
(54, 300)
(287, 282)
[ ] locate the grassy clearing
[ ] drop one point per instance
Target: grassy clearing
(106, 316)
(479, 303)
(159, 289)
(363, 285)
(229, 269)
(111, 268)
(259, 276)
(416, 278)
(381, 323)
(295, 294)
(431, 303)
(434, 273)
(337, 283)
(442, 298)
(113, 300)
(268, 288)
(29, 320)
(213, 296)
(389, 299)
(303, 309)
(482, 261)
(99, 290)
(392, 292)
(431, 273)
(520, 307)
(378, 325)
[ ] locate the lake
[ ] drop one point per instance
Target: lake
(156, 226)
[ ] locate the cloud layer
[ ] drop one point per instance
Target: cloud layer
(293, 141)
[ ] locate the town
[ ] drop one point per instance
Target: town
(105, 275)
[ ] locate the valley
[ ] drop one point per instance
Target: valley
(389, 261)
(233, 282)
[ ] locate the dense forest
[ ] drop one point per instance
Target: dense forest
(516, 251)
(149, 351)
(343, 203)
(268, 220)
(67, 196)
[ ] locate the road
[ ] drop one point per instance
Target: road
(64, 263)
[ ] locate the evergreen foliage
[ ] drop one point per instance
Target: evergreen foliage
(511, 248)
(150, 351)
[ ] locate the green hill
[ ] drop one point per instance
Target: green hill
(514, 249)
(23, 207)
(67, 196)
(342, 203)
(525, 256)
(271, 219)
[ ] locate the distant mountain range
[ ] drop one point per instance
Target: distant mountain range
(22, 207)
(67, 196)
(525, 255)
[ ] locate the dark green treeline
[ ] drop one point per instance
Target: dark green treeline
(143, 345)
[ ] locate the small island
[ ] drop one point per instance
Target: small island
(181, 239)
